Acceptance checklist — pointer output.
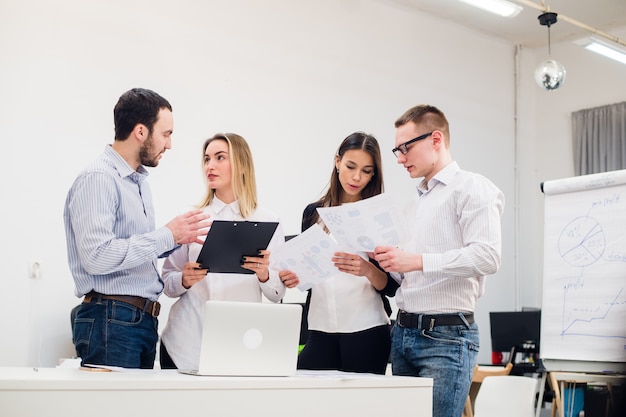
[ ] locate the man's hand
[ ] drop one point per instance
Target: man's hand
(189, 227)
(392, 259)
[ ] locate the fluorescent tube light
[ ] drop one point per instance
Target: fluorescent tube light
(499, 7)
(609, 49)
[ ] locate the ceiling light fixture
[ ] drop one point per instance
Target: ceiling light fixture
(604, 42)
(550, 74)
(500, 7)
(608, 49)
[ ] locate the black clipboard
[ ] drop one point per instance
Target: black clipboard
(229, 241)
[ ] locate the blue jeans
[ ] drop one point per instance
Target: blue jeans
(447, 354)
(113, 333)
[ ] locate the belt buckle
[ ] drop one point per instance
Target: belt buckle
(156, 309)
(431, 324)
(403, 319)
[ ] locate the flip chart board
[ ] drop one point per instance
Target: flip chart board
(583, 325)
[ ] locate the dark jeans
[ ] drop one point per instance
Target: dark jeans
(114, 333)
(364, 351)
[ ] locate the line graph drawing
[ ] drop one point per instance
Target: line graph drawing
(583, 316)
(582, 244)
(581, 321)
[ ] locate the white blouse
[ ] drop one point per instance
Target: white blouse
(183, 332)
(346, 303)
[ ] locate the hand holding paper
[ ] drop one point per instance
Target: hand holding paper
(309, 255)
(351, 263)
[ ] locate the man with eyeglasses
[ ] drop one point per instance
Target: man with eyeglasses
(455, 228)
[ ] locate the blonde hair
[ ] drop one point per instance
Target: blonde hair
(243, 180)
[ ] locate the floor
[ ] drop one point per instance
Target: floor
(546, 411)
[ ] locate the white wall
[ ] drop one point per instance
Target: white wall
(294, 79)
(545, 139)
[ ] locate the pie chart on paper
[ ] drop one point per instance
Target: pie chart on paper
(582, 242)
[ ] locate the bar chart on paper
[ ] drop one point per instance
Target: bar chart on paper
(584, 283)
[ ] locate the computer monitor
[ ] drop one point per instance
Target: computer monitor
(510, 329)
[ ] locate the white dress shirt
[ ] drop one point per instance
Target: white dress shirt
(345, 304)
(183, 332)
(455, 223)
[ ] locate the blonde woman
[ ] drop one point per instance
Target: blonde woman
(231, 195)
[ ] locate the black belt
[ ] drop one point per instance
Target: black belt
(429, 321)
(151, 307)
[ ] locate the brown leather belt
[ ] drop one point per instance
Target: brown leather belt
(429, 321)
(151, 307)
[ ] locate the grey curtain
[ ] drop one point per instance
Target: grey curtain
(599, 138)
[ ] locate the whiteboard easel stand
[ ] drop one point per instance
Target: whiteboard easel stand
(559, 379)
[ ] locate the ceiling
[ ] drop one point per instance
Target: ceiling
(608, 16)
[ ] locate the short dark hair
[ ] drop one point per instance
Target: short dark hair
(137, 106)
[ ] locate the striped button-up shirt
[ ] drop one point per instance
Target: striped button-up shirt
(112, 244)
(456, 225)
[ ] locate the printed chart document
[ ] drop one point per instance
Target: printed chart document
(365, 224)
(308, 255)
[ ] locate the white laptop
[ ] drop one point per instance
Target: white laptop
(249, 339)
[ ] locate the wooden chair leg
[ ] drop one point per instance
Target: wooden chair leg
(556, 401)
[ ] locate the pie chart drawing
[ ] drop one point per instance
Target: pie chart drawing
(582, 242)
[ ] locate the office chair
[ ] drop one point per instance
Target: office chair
(480, 373)
(509, 395)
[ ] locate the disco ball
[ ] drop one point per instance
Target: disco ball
(550, 75)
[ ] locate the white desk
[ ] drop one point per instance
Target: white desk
(29, 392)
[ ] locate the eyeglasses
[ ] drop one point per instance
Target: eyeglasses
(403, 147)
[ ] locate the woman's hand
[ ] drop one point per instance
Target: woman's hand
(289, 278)
(351, 263)
(192, 273)
(259, 265)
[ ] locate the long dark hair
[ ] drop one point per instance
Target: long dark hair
(334, 194)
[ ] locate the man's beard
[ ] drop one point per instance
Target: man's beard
(145, 158)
